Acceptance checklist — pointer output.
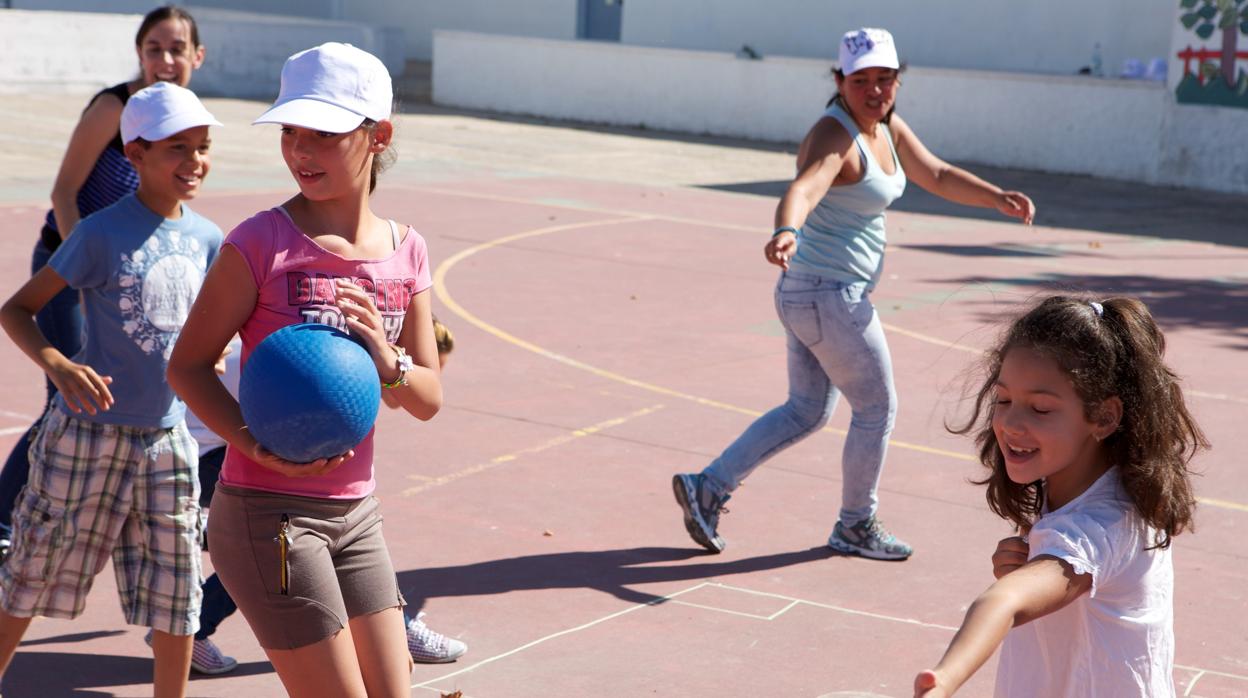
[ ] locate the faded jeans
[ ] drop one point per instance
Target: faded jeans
(836, 345)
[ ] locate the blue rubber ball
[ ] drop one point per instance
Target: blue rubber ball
(308, 392)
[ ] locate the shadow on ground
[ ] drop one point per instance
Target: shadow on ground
(47, 674)
(1198, 304)
(1083, 203)
(609, 571)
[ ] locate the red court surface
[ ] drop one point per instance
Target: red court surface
(610, 335)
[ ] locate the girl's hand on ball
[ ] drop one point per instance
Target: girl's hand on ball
(362, 316)
(276, 463)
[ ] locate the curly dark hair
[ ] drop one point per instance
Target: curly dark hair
(1116, 351)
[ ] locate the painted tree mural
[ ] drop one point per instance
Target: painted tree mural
(1219, 82)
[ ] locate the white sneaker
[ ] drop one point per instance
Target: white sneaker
(429, 647)
(206, 657)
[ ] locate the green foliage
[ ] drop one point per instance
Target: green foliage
(1215, 92)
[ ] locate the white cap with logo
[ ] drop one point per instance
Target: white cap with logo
(160, 110)
(867, 48)
(332, 88)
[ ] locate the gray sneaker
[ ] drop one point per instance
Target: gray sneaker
(702, 509)
(868, 539)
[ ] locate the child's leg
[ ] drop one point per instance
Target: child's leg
(157, 556)
(381, 648)
(217, 606)
(325, 668)
(172, 659)
(374, 604)
(12, 629)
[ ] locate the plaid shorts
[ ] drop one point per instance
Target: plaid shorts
(97, 490)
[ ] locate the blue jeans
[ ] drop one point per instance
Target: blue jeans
(836, 345)
(61, 323)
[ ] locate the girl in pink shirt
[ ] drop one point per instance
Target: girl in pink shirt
(307, 564)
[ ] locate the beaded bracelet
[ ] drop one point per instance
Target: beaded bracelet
(405, 364)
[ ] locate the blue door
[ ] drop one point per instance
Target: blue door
(600, 19)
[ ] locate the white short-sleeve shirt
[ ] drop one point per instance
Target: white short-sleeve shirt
(1116, 640)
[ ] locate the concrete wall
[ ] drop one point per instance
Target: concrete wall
(1053, 36)
(414, 20)
(551, 19)
(245, 51)
(1128, 130)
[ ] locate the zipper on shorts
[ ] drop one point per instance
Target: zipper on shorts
(283, 552)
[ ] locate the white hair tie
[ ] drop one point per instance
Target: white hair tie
(1100, 309)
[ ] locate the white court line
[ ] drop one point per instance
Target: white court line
(561, 633)
(1209, 672)
(7, 431)
(17, 415)
(839, 609)
(1200, 671)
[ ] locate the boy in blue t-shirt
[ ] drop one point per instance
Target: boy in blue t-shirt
(113, 467)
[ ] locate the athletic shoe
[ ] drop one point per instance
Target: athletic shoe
(702, 509)
(206, 657)
(429, 647)
(869, 539)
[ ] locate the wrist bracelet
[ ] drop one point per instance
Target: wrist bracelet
(405, 364)
(785, 229)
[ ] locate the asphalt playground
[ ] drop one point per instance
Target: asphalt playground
(614, 325)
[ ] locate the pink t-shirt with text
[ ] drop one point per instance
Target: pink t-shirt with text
(295, 279)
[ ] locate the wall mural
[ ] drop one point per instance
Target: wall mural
(1214, 72)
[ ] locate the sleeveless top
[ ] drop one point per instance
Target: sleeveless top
(112, 177)
(843, 237)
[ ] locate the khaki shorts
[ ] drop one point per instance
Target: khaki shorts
(300, 567)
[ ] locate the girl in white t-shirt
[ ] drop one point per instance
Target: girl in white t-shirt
(1087, 437)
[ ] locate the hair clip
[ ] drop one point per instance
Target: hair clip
(1100, 309)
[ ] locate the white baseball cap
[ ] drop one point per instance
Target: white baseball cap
(160, 110)
(867, 48)
(333, 88)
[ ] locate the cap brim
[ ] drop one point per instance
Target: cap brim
(176, 124)
(313, 114)
(870, 61)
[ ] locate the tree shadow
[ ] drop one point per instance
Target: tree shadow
(67, 673)
(608, 571)
(1082, 202)
(1197, 304)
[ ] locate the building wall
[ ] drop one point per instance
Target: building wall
(1053, 36)
(245, 52)
(1122, 129)
(552, 19)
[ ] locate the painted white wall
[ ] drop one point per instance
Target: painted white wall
(1052, 36)
(1120, 129)
(103, 51)
(415, 20)
(245, 51)
(552, 19)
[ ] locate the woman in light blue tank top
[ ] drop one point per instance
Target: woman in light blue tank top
(829, 241)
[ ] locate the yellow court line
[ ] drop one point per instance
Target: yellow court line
(636, 216)
(431, 482)
(444, 294)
